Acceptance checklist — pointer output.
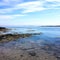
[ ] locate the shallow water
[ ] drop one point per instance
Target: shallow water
(49, 34)
(50, 37)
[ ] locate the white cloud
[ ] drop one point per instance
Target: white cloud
(53, 0)
(4, 17)
(10, 17)
(17, 15)
(36, 3)
(31, 6)
(26, 7)
(52, 4)
(33, 9)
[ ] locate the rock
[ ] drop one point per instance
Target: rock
(32, 53)
(3, 29)
(10, 37)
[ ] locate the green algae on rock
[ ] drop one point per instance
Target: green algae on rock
(10, 37)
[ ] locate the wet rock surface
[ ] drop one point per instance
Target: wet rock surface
(3, 29)
(53, 49)
(10, 37)
(32, 53)
(23, 51)
(18, 54)
(7, 36)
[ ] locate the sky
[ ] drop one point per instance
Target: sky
(29, 12)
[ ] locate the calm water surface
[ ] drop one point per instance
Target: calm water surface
(50, 35)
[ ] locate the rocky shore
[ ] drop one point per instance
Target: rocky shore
(17, 48)
(18, 54)
(14, 36)
(10, 37)
(3, 29)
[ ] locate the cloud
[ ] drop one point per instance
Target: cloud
(31, 6)
(39, 5)
(53, 0)
(7, 6)
(25, 7)
(9, 2)
(11, 6)
(53, 3)
(10, 17)
(5, 17)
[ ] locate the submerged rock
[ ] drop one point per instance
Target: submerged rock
(32, 53)
(10, 37)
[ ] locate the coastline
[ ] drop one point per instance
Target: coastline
(17, 48)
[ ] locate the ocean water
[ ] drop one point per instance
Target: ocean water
(48, 40)
(49, 35)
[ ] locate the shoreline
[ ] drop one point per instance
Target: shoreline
(14, 36)
(21, 49)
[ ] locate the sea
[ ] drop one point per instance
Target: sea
(48, 36)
